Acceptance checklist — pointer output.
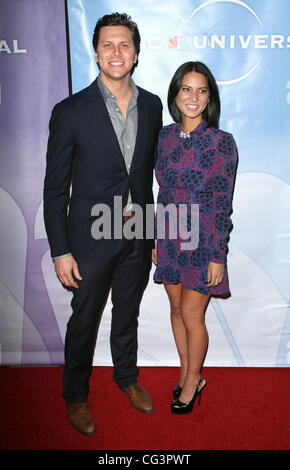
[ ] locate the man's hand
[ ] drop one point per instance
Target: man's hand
(215, 274)
(65, 269)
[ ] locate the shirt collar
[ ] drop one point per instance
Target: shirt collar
(106, 93)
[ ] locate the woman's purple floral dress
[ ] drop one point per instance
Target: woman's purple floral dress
(199, 170)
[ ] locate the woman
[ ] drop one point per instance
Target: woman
(196, 164)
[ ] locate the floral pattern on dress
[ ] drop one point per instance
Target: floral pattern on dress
(199, 170)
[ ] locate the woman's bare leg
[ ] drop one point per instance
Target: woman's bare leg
(193, 306)
(174, 294)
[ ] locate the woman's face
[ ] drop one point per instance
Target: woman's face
(192, 99)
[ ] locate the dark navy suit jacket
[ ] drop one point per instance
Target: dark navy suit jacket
(85, 167)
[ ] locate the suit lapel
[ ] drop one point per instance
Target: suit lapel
(103, 124)
(105, 128)
(141, 131)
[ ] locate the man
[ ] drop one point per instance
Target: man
(101, 145)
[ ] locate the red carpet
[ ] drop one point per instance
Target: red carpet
(241, 409)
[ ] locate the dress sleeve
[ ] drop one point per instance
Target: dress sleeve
(222, 183)
(157, 160)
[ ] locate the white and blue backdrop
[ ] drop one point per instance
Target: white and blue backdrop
(46, 53)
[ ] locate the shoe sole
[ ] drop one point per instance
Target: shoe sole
(83, 432)
(147, 412)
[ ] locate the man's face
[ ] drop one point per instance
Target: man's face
(115, 52)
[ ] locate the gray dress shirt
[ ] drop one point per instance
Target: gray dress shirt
(125, 128)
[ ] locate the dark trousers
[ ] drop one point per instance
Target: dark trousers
(127, 274)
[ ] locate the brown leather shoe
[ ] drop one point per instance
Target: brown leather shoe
(81, 418)
(139, 398)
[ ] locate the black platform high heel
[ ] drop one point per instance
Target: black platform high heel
(179, 408)
(177, 389)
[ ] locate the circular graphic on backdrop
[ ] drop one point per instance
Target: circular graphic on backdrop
(229, 29)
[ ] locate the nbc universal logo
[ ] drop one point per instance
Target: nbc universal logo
(230, 29)
(11, 47)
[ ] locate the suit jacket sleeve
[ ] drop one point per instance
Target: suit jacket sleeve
(57, 180)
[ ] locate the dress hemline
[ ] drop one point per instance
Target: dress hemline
(226, 294)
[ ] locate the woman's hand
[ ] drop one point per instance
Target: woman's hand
(154, 254)
(215, 274)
